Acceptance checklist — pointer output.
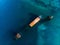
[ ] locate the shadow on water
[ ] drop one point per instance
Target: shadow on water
(29, 37)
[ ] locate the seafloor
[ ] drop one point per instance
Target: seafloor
(14, 14)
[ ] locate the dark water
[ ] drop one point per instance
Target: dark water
(14, 14)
